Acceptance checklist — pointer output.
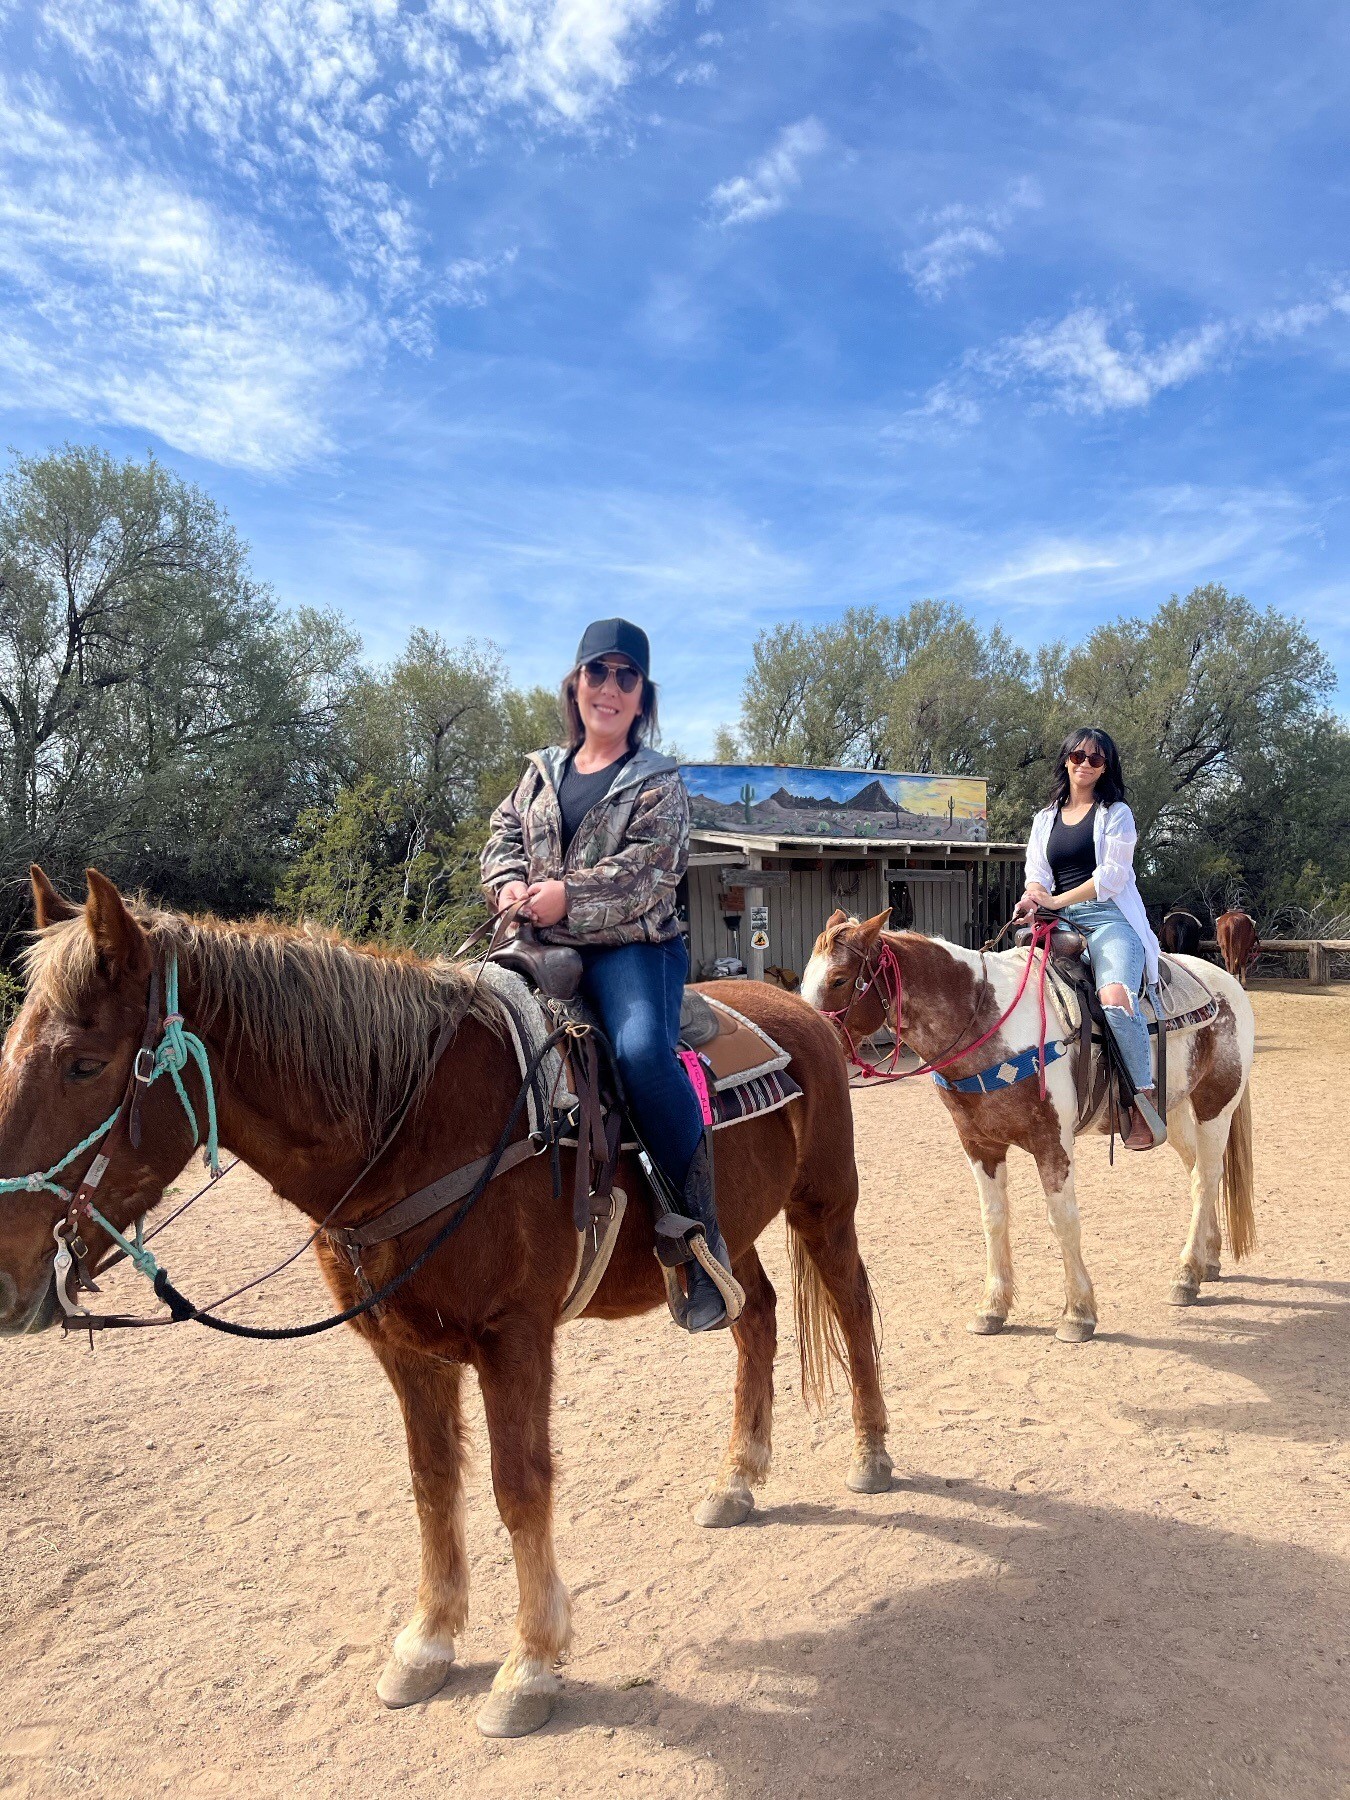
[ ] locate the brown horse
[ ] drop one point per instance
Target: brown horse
(1239, 944)
(315, 1045)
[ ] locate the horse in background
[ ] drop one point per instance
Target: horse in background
(1239, 944)
(325, 1068)
(862, 975)
(1181, 933)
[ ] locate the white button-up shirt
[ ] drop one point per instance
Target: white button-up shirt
(1114, 837)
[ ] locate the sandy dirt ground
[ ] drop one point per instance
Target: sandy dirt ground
(1120, 1568)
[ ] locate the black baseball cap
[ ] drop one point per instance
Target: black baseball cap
(608, 637)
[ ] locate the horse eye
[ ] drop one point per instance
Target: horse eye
(84, 1068)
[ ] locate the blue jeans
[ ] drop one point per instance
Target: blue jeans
(1117, 955)
(635, 990)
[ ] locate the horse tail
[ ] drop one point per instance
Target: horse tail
(820, 1337)
(1239, 1209)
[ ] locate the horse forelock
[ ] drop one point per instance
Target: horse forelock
(351, 1027)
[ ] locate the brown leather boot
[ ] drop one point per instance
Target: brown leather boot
(1146, 1132)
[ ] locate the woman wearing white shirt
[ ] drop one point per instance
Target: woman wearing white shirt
(1080, 861)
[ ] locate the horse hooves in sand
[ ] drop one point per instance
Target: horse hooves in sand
(724, 1507)
(870, 1474)
(1183, 1294)
(409, 1683)
(986, 1325)
(512, 1713)
(1076, 1331)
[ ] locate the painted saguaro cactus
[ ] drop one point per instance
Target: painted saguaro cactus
(747, 800)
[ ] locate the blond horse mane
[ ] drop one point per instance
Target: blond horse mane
(350, 1027)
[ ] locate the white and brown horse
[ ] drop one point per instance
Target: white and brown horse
(948, 999)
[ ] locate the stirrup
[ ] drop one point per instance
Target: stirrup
(733, 1294)
(1152, 1118)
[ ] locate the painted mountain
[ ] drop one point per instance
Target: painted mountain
(769, 800)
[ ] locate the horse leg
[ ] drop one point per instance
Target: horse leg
(831, 1243)
(1204, 1141)
(515, 1373)
(991, 1178)
(1079, 1319)
(428, 1390)
(730, 1500)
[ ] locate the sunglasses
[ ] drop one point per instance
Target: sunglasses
(1093, 758)
(597, 673)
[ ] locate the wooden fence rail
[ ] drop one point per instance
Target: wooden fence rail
(1317, 951)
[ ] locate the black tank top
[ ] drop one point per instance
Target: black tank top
(1071, 852)
(578, 793)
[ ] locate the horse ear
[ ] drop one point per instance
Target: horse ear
(837, 917)
(871, 929)
(49, 907)
(119, 940)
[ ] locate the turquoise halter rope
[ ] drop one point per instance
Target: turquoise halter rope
(175, 1046)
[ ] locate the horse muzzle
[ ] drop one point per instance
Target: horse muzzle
(17, 1318)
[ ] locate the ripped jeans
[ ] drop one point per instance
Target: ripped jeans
(1117, 955)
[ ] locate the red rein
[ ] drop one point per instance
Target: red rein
(889, 977)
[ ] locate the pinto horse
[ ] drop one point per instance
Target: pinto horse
(949, 1001)
(314, 1046)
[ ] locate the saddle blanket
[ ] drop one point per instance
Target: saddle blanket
(746, 1071)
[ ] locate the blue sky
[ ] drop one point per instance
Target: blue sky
(498, 315)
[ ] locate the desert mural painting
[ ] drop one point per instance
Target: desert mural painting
(775, 800)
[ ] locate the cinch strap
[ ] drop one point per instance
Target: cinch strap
(1004, 1074)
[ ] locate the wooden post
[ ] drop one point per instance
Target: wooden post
(1317, 964)
(754, 896)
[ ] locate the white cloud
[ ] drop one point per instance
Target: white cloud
(965, 235)
(314, 98)
(770, 181)
(132, 302)
(1086, 372)
(1174, 536)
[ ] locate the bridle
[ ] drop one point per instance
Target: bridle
(166, 1047)
(887, 975)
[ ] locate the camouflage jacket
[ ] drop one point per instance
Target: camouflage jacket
(624, 864)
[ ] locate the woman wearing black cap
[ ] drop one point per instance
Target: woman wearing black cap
(594, 842)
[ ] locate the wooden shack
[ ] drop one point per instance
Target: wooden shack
(766, 873)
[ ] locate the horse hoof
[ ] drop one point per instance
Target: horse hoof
(986, 1325)
(870, 1474)
(1076, 1331)
(724, 1507)
(1183, 1294)
(407, 1684)
(1212, 1271)
(511, 1713)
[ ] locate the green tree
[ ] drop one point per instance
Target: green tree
(924, 690)
(434, 741)
(158, 714)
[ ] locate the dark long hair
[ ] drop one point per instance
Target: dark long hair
(643, 729)
(1110, 783)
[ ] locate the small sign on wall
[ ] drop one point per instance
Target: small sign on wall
(759, 927)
